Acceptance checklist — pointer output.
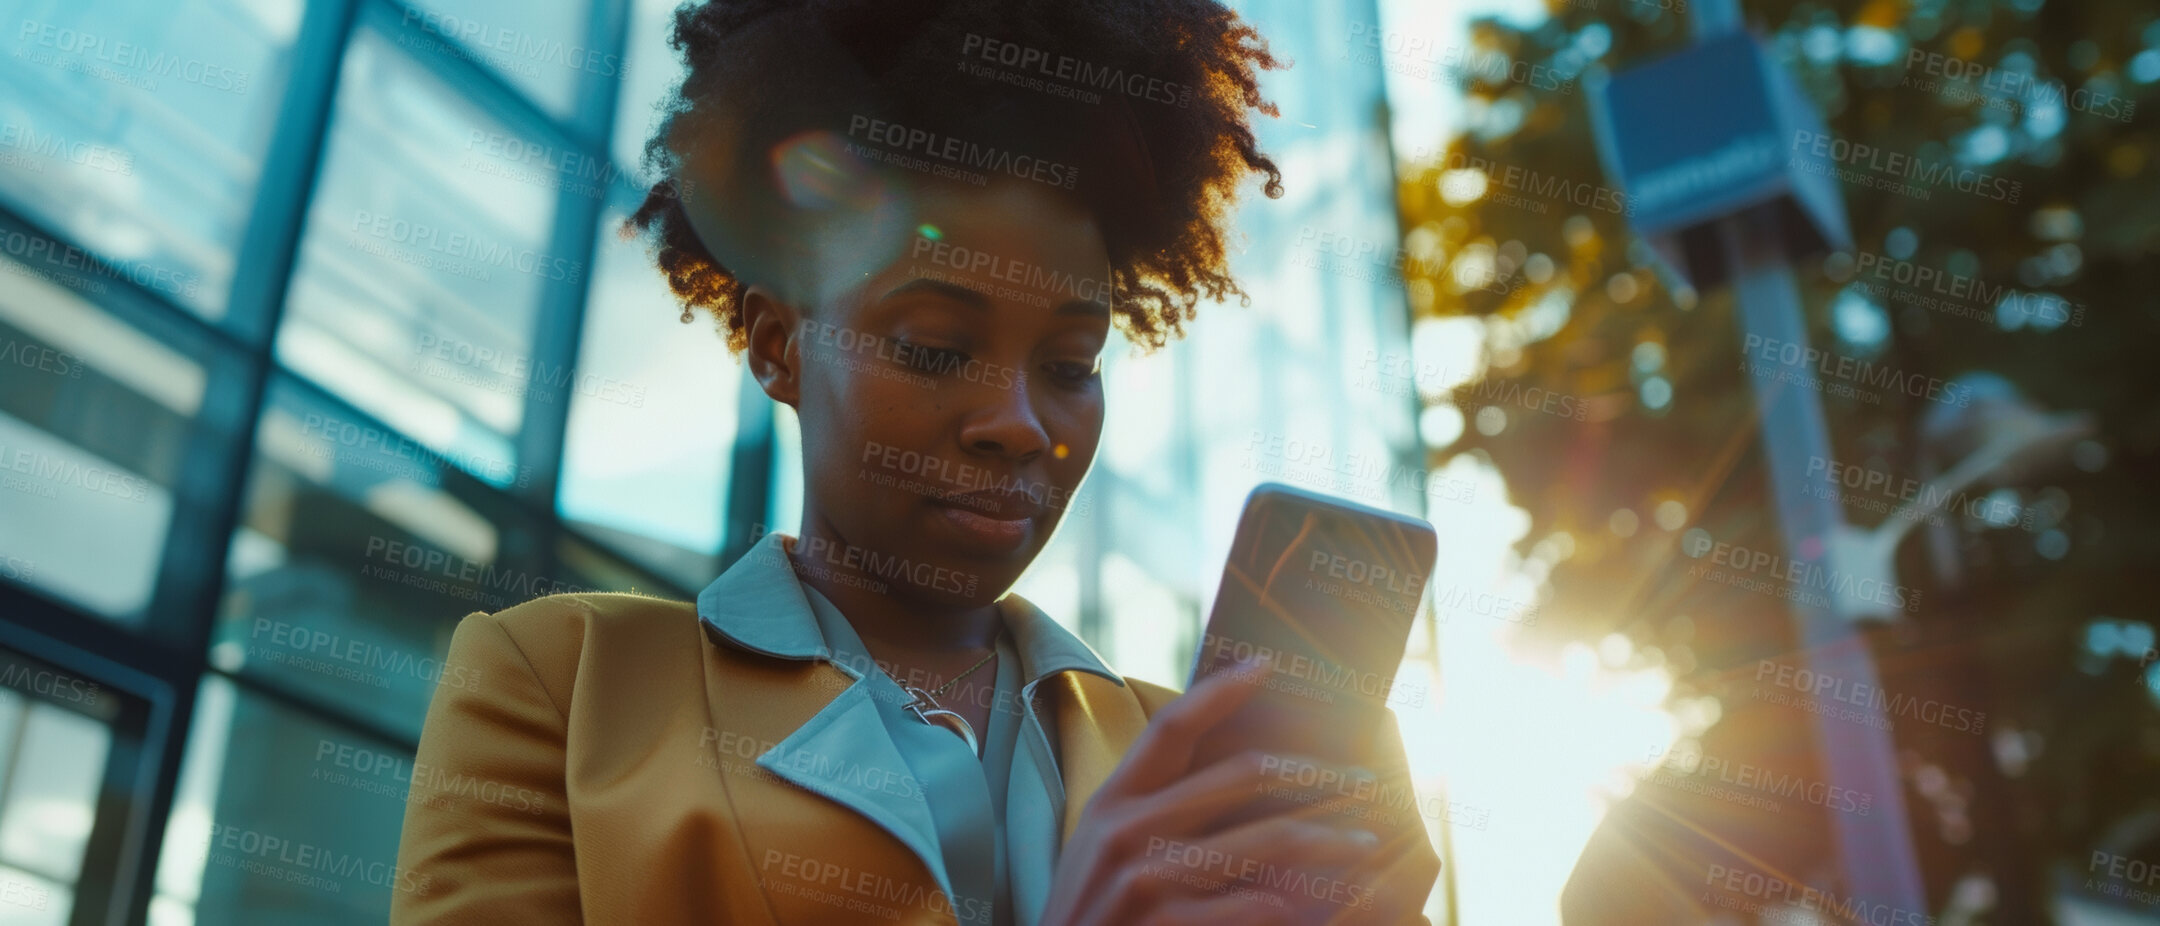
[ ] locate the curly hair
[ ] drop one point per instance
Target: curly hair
(1146, 100)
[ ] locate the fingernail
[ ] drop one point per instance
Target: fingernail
(1365, 839)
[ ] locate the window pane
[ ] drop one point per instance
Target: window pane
(95, 420)
(51, 796)
(420, 281)
(355, 557)
(138, 129)
(281, 818)
(55, 740)
(542, 48)
(652, 420)
(650, 68)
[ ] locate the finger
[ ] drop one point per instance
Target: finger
(1164, 751)
(1350, 794)
(1196, 804)
(1398, 887)
(1274, 845)
(1297, 891)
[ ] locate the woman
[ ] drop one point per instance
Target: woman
(917, 222)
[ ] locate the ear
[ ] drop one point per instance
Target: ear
(774, 353)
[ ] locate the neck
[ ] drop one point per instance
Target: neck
(895, 620)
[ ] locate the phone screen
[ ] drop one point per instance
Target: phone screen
(1328, 589)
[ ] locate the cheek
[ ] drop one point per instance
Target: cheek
(1079, 428)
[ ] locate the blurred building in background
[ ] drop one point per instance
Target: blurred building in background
(316, 335)
(324, 339)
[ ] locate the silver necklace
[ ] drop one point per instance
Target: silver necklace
(926, 708)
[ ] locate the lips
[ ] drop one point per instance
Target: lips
(996, 522)
(995, 504)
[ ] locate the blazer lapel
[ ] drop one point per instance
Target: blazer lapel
(1097, 720)
(795, 748)
(796, 734)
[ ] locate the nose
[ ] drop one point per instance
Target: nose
(1004, 423)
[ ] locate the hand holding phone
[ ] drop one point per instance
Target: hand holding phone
(1326, 589)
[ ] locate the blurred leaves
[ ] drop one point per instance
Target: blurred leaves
(1508, 226)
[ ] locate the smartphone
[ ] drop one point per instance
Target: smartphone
(1328, 589)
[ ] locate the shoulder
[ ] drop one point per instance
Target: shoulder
(554, 635)
(553, 622)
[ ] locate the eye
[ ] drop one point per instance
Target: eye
(1073, 372)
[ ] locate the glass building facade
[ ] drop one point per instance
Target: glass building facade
(320, 338)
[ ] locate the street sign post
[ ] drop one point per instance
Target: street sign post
(1701, 141)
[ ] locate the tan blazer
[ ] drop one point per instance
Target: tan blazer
(595, 761)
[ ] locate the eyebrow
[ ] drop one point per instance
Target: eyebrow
(976, 299)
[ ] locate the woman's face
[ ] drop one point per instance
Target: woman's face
(950, 398)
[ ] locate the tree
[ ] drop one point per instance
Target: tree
(2037, 624)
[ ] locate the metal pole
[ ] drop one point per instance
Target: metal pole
(1875, 851)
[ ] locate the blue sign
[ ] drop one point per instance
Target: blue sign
(1711, 131)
